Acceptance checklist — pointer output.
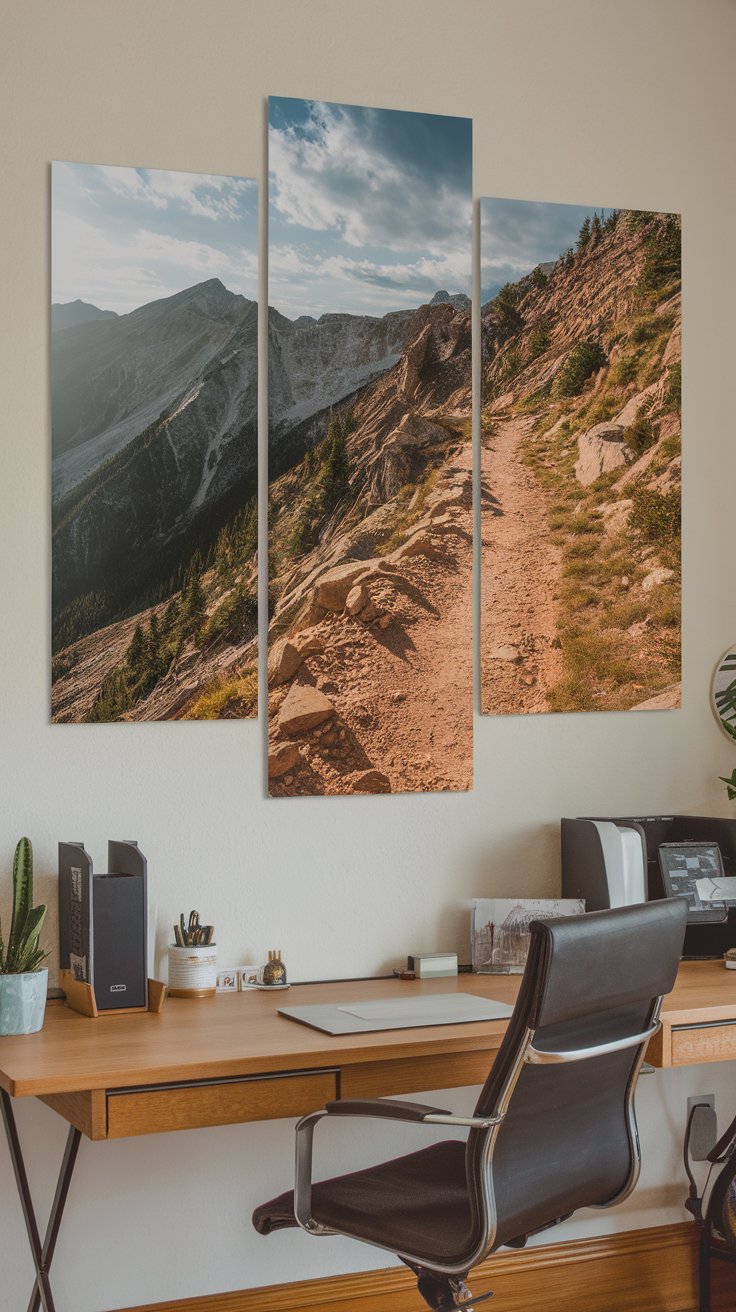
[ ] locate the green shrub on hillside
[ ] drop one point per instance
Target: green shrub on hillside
(673, 392)
(649, 327)
(114, 698)
(539, 341)
(640, 435)
(236, 618)
(625, 371)
(662, 266)
(584, 359)
(656, 515)
(509, 319)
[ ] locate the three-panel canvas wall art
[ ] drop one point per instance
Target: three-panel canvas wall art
(154, 336)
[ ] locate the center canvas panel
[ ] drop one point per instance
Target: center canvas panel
(154, 407)
(370, 451)
(580, 459)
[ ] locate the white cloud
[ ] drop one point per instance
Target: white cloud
(423, 275)
(123, 272)
(336, 180)
(209, 196)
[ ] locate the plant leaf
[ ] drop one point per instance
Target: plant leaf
(730, 785)
(22, 894)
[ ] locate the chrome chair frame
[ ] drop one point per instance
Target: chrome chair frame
(490, 1125)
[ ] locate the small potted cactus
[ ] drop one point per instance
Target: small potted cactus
(23, 979)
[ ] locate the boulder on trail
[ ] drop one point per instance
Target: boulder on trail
(600, 449)
(332, 588)
(281, 757)
(372, 781)
(357, 598)
(303, 708)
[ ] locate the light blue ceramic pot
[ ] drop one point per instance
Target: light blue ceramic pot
(23, 1001)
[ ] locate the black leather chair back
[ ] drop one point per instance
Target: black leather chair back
(568, 1139)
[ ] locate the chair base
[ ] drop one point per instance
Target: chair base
(443, 1293)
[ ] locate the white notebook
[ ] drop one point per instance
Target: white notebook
(398, 1013)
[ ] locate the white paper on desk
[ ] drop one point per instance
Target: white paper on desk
(721, 888)
(433, 1008)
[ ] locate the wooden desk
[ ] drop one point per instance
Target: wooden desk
(698, 1017)
(230, 1059)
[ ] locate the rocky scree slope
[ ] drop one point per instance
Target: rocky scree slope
(126, 527)
(111, 379)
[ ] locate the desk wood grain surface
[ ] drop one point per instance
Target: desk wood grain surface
(233, 1034)
(242, 1034)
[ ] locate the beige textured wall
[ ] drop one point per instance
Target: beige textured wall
(626, 104)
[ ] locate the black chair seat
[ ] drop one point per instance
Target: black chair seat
(417, 1204)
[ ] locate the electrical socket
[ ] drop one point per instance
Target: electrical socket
(710, 1098)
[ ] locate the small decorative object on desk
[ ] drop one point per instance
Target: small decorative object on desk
(499, 929)
(227, 981)
(274, 972)
(193, 960)
(23, 979)
(730, 959)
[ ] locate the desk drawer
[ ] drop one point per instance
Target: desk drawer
(231, 1102)
(698, 1043)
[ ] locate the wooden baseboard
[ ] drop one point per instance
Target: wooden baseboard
(652, 1270)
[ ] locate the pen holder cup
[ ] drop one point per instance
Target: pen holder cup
(193, 972)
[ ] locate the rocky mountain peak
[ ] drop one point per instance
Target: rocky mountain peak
(459, 300)
(71, 313)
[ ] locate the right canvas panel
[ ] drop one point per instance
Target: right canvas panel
(580, 459)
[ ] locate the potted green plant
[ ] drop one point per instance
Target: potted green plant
(23, 979)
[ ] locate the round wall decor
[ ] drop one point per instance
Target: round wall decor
(723, 692)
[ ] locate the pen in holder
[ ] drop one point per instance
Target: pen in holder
(193, 960)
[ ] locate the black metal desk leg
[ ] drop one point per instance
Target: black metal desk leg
(42, 1256)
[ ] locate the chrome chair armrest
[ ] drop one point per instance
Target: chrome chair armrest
(303, 1175)
(377, 1108)
(538, 1057)
(393, 1109)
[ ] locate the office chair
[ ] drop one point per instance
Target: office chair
(553, 1129)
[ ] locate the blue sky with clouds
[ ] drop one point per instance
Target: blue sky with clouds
(122, 237)
(370, 210)
(517, 235)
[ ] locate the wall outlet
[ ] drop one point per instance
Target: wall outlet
(704, 1129)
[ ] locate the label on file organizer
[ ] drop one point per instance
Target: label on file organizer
(77, 954)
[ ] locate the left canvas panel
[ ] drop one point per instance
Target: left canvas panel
(154, 415)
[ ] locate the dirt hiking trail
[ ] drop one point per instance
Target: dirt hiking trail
(520, 571)
(402, 686)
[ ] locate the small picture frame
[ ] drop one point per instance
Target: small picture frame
(228, 981)
(500, 934)
(695, 870)
(251, 977)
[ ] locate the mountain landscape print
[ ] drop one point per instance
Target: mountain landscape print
(154, 444)
(370, 451)
(580, 459)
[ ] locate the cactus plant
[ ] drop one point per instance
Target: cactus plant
(23, 953)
